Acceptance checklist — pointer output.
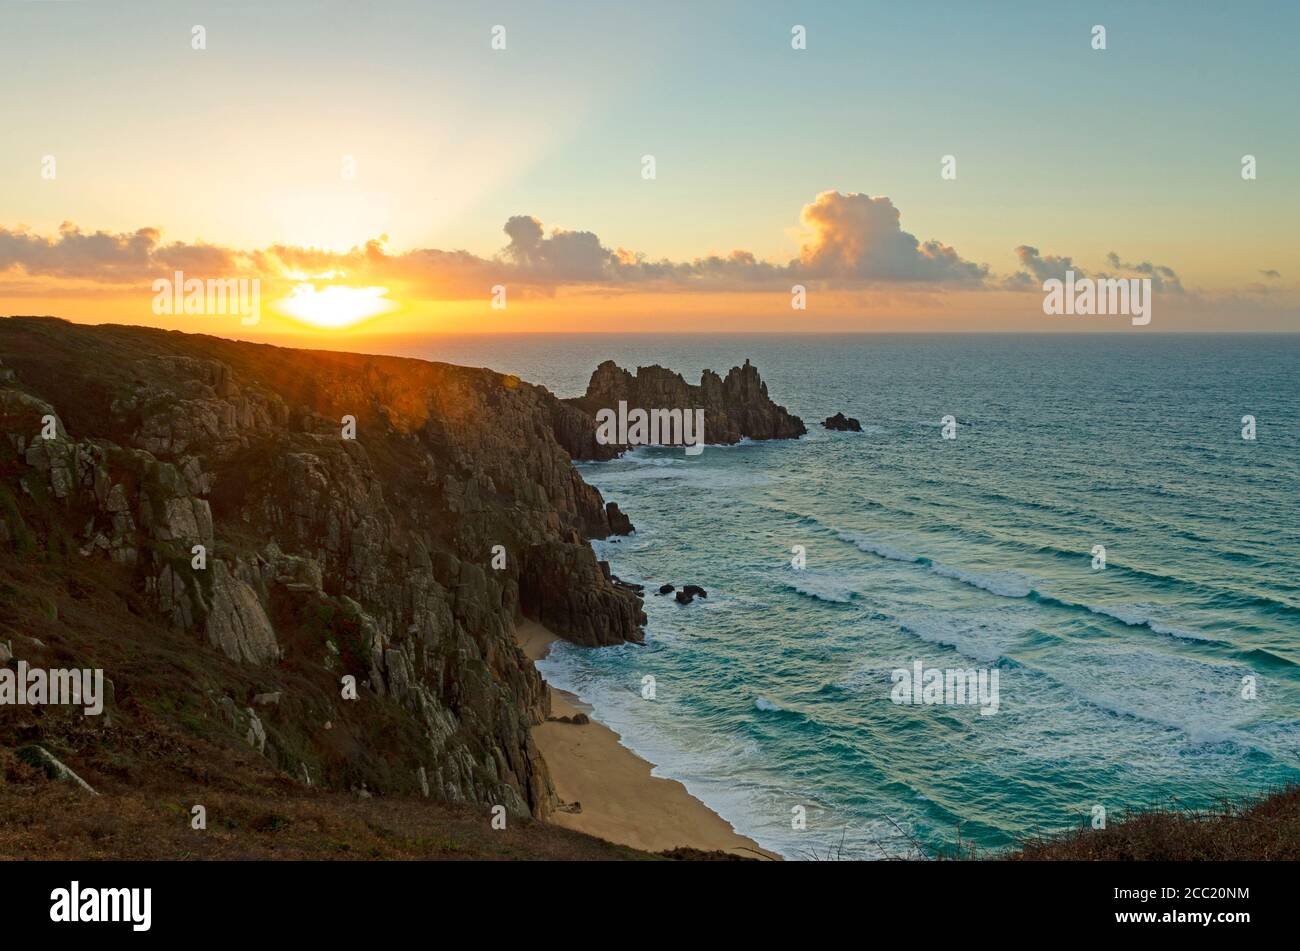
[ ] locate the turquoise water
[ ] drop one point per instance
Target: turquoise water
(1118, 687)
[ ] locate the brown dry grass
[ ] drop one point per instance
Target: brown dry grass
(40, 819)
(1265, 829)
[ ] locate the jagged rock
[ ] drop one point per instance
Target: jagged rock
(245, 722)
(563, 586)
(43, 759)
(237, 624)
(622, 585)
(117, 501)
(842, 423)
(735, 408)
(619, 524)
(267, 699)
(689, 593)
(666, 589)
(256, 736)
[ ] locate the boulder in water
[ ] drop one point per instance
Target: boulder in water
(842, 423)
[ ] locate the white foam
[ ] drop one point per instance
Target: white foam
(1007, 584)
(877, 548)
(820, 587)
(1136, 615)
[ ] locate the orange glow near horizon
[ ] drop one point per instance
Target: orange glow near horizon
(321, 310)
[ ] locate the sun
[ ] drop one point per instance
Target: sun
(334, 306)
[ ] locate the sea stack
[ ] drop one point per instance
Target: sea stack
(735, 407)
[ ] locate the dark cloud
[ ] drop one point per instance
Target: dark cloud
(1162, 278)
(1035, 269)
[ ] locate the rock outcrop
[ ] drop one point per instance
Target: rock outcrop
(842, 423)
(212, 485)
(42, 759)
(689, 593)
(735, 407)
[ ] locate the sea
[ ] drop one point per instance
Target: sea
(1166, 674)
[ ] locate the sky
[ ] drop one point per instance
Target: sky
(382, 167)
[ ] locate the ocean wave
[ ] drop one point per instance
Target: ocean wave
(1266, 658)
(640, 457)
(1008, 584)
(1189, 714)
(1183, 694)
(1269, 606)
(1138, 616)
(981, 641)
(881, 549)
(1220, 594)
(821, 588)
(1015, 585)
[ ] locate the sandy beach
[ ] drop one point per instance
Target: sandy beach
(621, 800)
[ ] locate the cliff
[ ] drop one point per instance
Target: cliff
(323, 557)
(735, 407)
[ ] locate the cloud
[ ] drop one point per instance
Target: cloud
(1162, 278)
(856, 236)
(1272, 275)
(566, 256)
(101, 256)
(851, 238)
(1036, 269)
(851, 241)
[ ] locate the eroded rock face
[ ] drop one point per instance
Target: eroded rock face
(237, 624)
(401, 558)
(566, 588)
(735, 407)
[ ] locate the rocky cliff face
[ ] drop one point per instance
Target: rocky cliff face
(735, 407)
(305, 517)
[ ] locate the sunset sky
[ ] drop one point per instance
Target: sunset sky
(523, 167)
